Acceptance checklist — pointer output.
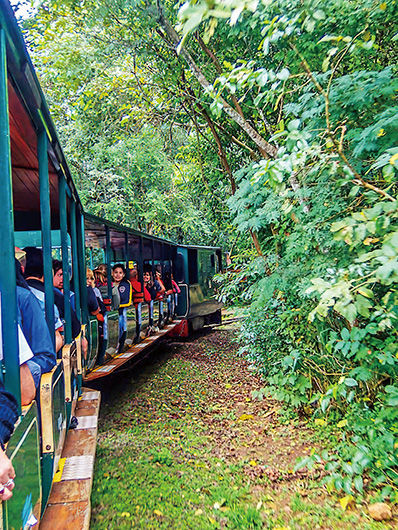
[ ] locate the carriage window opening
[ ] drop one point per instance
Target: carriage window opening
(212, 261)
(178, 269)
(219, 262)
(193, 265)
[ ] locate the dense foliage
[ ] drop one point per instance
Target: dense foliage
(135, 153)
(286, 112)
(323, 303)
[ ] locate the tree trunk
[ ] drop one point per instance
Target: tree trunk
(266, 149)
(218, 68)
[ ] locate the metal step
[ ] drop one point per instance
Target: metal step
(69, 504)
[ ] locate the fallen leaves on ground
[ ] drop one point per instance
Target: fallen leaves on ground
(182, 445)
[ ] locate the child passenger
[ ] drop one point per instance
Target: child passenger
(125, 293)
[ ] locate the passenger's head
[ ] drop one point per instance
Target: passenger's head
(58, 278)
(147, 276)
(102, 268)
(21, 257)
(90, 278)
(158, 275)
(133, 274)
(100, 277)
(20, 280)
(34, 263)
(118, 272)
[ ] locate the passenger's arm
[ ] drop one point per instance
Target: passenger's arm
(147, 295)
(8, 417)
(7, 475)
(59, 340)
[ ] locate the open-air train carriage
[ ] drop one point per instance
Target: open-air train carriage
(41, 208)
(38, 194)
(193, 268)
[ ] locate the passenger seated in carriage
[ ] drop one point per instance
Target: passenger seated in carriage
(33, 269)
(140, 294)
(161, 290)
(169, 294)
(93, 305)
(159, 285)
(58, 283)
(149, 285)
(125, 292)
(176, 292)
(101, 282)
(36, 349)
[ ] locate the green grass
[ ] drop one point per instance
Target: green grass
(184, 447)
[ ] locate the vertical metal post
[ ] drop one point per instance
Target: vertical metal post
(75, 260)
(108, 251)
(8, 306)
(91, 258)
(162, 259)
(45, 216)
(153, 259)
(65, 258)
(126, 250)
(82, 270)
(141, 263)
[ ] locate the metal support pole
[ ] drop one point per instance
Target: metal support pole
(82, 269)
(153, 259)
(65, 258)
(141, 263)
(108, 261)
(8, 308)
(45, 216)
(75, 260)
(126, 250)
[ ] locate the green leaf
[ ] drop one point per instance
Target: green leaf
(283, 74)
(349, 381)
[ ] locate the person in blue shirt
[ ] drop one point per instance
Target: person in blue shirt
(34, 275)
(34, 328)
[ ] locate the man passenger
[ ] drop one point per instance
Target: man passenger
(34, 275)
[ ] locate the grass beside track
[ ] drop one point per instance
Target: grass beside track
(183, 446)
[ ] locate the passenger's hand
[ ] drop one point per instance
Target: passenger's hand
(84, 347)
(7, 475)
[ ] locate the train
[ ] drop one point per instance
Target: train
(53, 446)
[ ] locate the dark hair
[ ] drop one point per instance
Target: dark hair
(21, 282)
(119, 266)
(167, 281)
(57, 265)
(34, 262)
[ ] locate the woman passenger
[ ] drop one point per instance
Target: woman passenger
(101, 282)
(93, 307)
(161, 290)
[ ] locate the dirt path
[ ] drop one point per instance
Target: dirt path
(183, 445)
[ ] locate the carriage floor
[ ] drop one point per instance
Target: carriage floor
(135, 351)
